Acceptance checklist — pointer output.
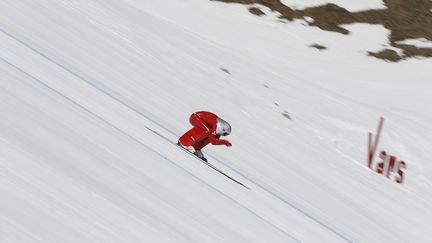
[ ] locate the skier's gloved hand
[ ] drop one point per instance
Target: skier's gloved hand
(227, 143)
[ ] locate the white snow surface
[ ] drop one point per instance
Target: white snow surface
(351, 5)
(419, 42)
(80, 80)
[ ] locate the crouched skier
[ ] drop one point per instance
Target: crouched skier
(207, 128)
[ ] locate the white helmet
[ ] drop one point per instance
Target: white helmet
(223, 128)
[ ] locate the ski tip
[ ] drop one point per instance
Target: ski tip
(246, 186)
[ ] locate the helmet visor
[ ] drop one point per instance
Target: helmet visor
(223, 128)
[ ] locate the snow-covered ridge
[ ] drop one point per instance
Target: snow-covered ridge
(420, 42)
(349, 5)
(80, 81)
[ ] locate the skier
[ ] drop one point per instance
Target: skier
(207, 128)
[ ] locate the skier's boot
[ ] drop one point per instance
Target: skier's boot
(200, 155)
(188, 148)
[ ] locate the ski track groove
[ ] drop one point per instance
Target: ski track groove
(148, 148)
(23, 231)
(160, 124)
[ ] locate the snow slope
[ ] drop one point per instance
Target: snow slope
(80, 81)
(349, 5)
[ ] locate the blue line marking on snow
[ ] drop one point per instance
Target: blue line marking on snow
(81, 77)
(145, 146)
(285, 201)
(166, 129)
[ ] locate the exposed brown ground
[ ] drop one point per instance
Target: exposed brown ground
(406, 19)
(318, 46)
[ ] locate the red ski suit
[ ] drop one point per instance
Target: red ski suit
(203, 132)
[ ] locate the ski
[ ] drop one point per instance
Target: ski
(202, 161)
